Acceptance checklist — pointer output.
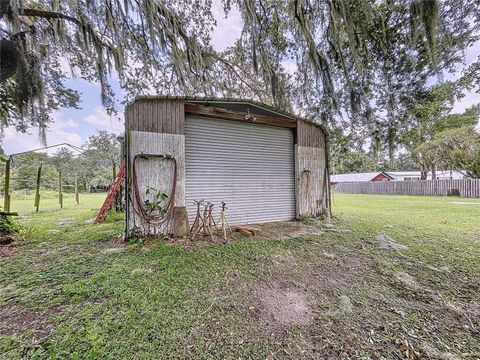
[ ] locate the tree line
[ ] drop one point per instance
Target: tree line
(364, 68)
(94, 167)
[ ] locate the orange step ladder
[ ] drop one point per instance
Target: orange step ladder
(102, 214)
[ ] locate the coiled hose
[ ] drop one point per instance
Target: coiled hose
(140, 209)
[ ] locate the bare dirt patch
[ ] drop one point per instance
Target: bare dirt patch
(8, 245)
(289, 299)
(142, 271)
(287, 229)
(8, 250)
(408, 281)
(113, 245)
(386, 242)
(6, 239)
(281, 305)
(14, 319)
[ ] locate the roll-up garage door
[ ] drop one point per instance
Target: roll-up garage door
(249, 166)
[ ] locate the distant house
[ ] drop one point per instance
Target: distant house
(415, 175)
(360, 177)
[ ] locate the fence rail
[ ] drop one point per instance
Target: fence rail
(462, 187)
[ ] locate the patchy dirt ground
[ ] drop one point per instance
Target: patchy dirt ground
(17, 320)
(287, 229)
(381, 281)
(364, 301)
(282, 304)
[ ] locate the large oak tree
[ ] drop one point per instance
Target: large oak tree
(358, 65)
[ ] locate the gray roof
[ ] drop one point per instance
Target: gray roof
(234, 104)
(356, 177)
(439, 173)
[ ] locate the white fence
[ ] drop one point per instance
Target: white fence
(462, 187)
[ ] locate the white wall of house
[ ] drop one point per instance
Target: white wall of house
(415, 175)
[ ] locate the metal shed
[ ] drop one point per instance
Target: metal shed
(267, 165)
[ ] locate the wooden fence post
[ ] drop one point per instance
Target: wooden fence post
(37, 189)
(77, 198)
(60, 185)
(6, 200)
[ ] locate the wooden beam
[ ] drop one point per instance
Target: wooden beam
(4, 213)
(226, 114)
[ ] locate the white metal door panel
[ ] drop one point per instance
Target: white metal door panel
(249, 166)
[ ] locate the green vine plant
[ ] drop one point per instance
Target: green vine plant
(157, 204)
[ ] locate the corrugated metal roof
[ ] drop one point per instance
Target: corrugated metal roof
(199, 99)
(356, 177)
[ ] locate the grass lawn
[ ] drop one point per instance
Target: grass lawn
(393, 277)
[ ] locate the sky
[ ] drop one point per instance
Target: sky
(74, 126)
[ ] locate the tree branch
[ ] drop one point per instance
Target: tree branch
(48, 15)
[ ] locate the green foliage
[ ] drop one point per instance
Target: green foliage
(93, 167)
(156, 204)
(469, 118)
(364, 60)
(454, 144)
(93, 39)
(8, 226)
(459, 148)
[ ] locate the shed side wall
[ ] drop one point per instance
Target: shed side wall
(155, 126)
(310, 170)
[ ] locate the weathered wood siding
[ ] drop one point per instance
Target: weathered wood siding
(459, 187)
(310, 170)
(156, 115)
(155, 126)
(310, 135)
(156, 172)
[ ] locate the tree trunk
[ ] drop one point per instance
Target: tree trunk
(37, 188)
(423, 173)
(434, 172)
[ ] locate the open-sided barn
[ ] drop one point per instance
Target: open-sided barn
(265, 164)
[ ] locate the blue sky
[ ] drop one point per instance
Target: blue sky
(75, 126)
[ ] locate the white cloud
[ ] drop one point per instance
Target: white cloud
(113, 123)
(228, 28)
(471, 98)
(59, 131)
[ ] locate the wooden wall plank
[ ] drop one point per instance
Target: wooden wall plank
(156, 116)
(310, 135)
(310, 186)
